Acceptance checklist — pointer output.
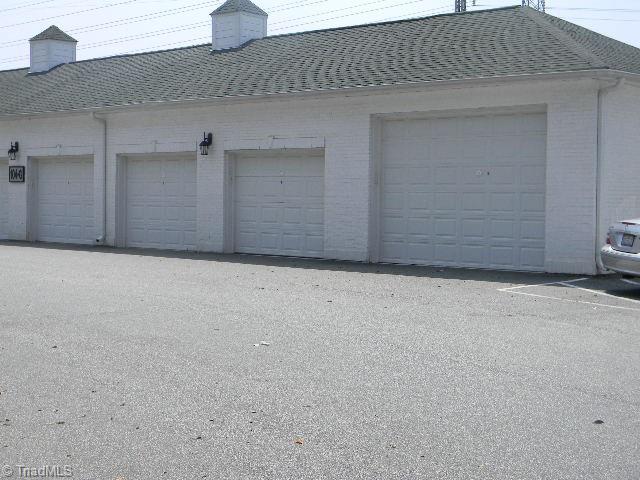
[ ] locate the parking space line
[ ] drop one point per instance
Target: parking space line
(511, 289)
(597, 292)
(631, 282)
(594, 304)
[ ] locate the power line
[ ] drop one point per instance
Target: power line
(201, 24)
(592, 9)
(25, 6)
(124, 21)
(160, 14)
(69, 14)
(330, 11)
(349, 15)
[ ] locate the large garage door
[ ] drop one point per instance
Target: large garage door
(464, 191)
(65, 201)
(4, 200)
(279, 205)
(161, 203)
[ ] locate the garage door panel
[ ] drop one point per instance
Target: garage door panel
(420, 249)
(283, 213)
(445, 175)
(532, 230)
(532, 257)
(533, 203)
(473, 255)
(314, 218)
(473, 175)
(315, 244)
(482, 186)
(534, 176)
(161, 203)
(502, 256)
(502, 229)
(315, 189)
(445, 253)
(446, 201)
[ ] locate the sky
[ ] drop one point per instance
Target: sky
(113, 27)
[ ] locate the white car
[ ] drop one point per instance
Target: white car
(622, 252)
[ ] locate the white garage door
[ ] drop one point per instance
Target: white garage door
(161, 203)
(464, 191)
(65, 201)
(279, 205)
(4, 200)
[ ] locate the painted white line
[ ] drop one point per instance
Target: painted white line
(593, 304)
(596, 292)
(511, 289)
(631, 282)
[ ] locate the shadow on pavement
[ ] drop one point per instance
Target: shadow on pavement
(496, 276)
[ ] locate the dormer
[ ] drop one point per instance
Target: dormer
(51, 48)
(236, 22)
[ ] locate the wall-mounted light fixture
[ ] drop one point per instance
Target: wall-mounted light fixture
(13, 151)
(206, 143)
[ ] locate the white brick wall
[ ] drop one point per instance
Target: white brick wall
(343, 125)
(620, 157)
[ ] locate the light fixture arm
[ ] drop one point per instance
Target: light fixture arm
(206, 143)
(13, 151)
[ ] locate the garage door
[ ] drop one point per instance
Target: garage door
(161, 203)
(65, 201)
(279, 205)
(464, 191)
(4, 200)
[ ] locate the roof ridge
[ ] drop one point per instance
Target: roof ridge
(389, 22)
(568, 40)
(290, 34)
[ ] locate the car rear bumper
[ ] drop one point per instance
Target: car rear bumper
(621, 262)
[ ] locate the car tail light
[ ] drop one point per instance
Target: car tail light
(608, 239)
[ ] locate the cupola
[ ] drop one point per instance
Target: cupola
(236, 22)
(51, 48)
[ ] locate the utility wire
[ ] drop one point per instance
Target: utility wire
(68, 14)
(25, 6)
(153, 16)
(201, 24)
(124, 21)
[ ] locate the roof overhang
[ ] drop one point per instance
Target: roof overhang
(598, 74)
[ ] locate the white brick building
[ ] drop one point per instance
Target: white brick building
(444, 140)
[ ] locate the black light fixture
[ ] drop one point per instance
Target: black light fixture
(206, 143)
(13, 151)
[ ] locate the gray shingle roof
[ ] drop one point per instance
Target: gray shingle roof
(53, 33)
(492, 43)
(231, 6)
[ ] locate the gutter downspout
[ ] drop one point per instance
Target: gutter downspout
(602, 92)
(103, 238)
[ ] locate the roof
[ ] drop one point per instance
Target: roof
(53, 33)
(484, 44)
(231, 6)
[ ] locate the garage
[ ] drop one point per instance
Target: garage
(279, 203)
(65, 192)
(161, 202)
(4, 200)
(464, 191)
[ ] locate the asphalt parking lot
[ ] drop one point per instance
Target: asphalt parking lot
(124, 364)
